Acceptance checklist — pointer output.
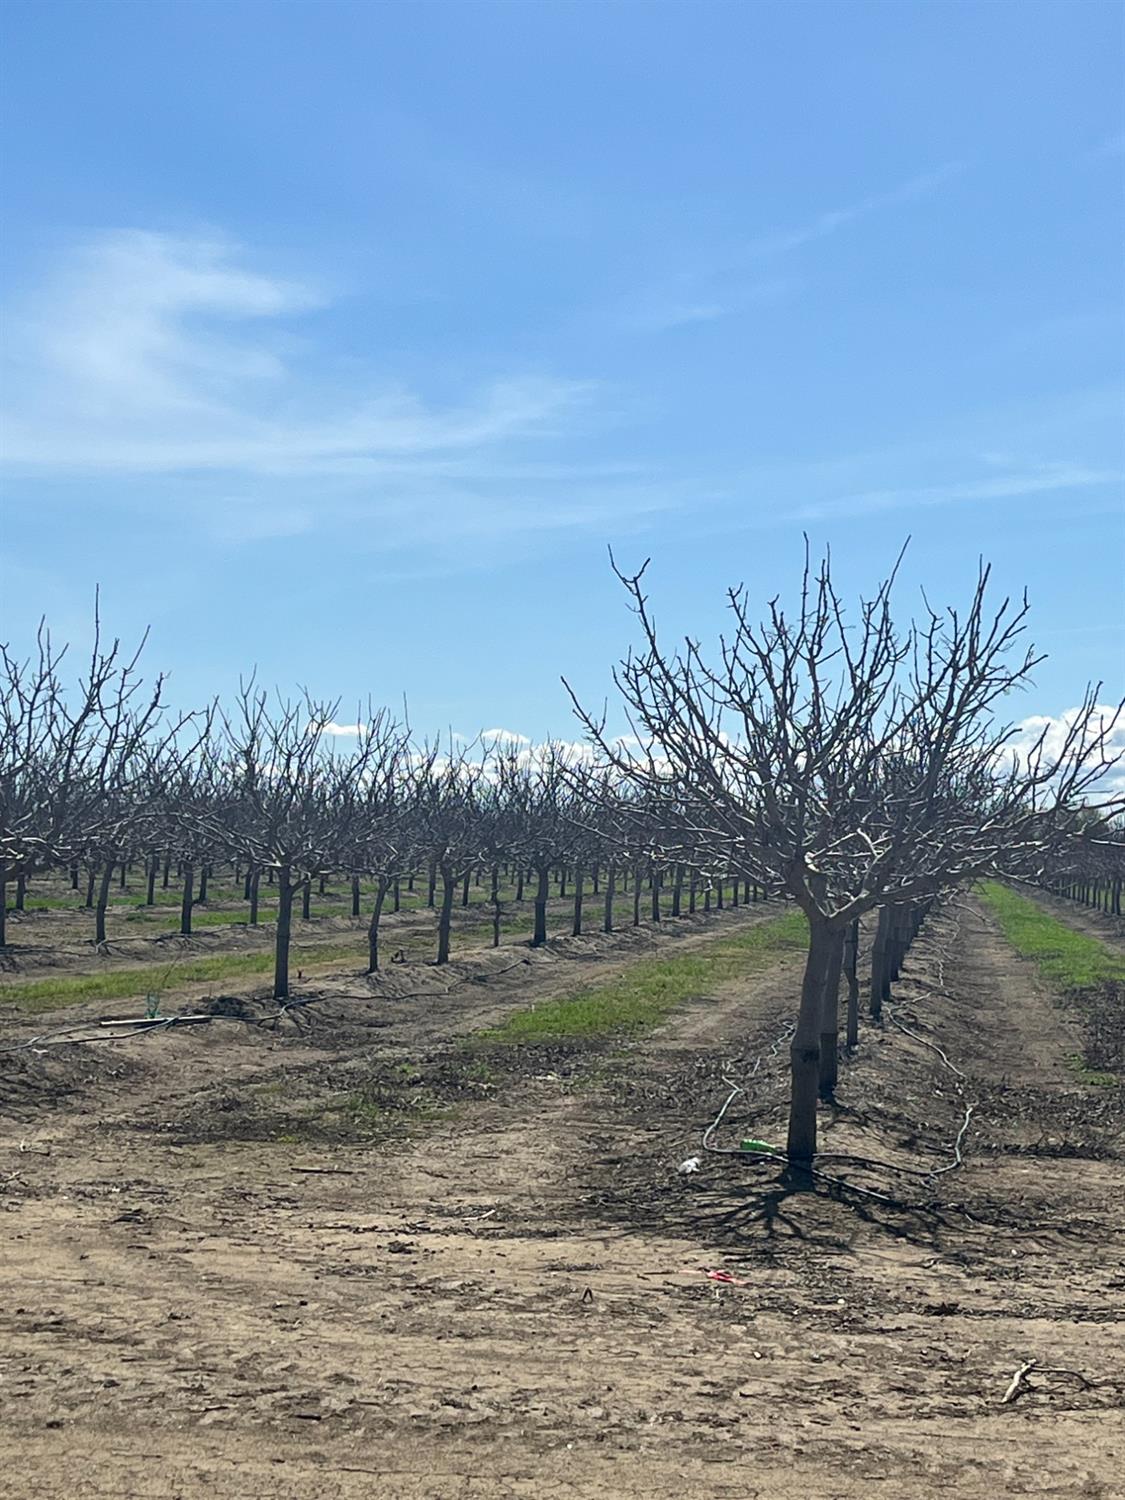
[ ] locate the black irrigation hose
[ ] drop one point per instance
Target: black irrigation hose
(58, 1038)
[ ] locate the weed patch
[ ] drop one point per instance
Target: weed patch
(648, 992)
(1085, 972)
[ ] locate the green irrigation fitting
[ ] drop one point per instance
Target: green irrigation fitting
(750, 1144)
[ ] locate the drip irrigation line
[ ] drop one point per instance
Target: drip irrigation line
(924, 1041)
(136, 1028)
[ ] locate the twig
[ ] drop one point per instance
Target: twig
(1018, 1383)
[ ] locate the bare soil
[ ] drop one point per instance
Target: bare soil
(488, 1278)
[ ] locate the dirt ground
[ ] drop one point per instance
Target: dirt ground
(348, 1256)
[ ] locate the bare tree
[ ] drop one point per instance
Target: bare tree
(848, 766)
(281, 814)
(446, 804)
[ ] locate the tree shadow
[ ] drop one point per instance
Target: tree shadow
(775, 1210)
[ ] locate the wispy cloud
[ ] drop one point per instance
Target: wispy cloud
(1018, 482)
(780, 241)
(155, 352)
(158, 356)
(733, 282)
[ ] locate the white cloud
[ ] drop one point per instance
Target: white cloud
(344, 730)
(503, 737)
(154, 353)
(1054, 729)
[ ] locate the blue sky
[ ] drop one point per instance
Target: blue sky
(342, 339)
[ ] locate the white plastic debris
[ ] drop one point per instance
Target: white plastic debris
(686, 1168)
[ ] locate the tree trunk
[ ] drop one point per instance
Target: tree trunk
(851, 972)
(254, 883)
(21, 891)
(246, 882)
(562, 883)
(306, 898)
(153, 870)
(542, 891)
(3, 904)
(579, 885)
(103, 901)
(124, 875)
(830, 1020)
(445, 917)
(187, 900)
(692, 883)
(91, 886)
(204, 873)
(465, 889)
(167, 873)
(610, 882)
(284, 931)
(397, 888)
(594, 874)
(431, 888)
(519, 884)
(880, 983)
(896, 943)
(804, 1050)
(494, 897)
(355, 895)
(373, 927)
(677, 890)
(74, 877)
(657, 880)
(637, 896)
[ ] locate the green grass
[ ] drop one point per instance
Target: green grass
(153, 977)
(36, 995)
(649, 991)
(1066, 959)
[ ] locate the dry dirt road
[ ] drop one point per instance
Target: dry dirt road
(211, 1290)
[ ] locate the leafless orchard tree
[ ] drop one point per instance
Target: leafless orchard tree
(282, 808)
(541, 797)
(377, 833)
(848, 766)
(73, 761)
(446, 803)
